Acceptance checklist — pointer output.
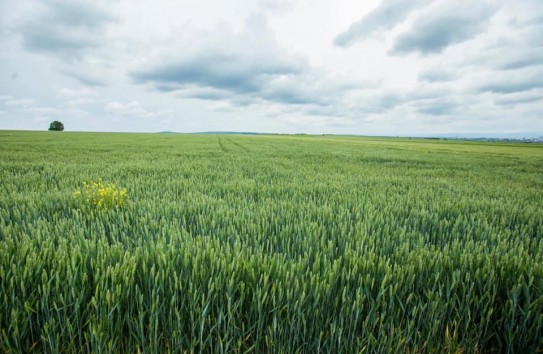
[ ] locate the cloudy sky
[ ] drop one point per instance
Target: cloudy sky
(373, 67)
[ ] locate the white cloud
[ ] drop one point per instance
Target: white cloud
(444, 24)
(519, 98)
(71, 94)
(43, 110)
(65, 28)
(245, 67)
(23, 103)
(77, 97)
(273, 65)
(384, 17)
(131, 109)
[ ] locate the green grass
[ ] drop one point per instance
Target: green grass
(279, 244)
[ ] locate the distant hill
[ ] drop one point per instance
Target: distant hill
(523, 136)
(237, 133)
(218, 132)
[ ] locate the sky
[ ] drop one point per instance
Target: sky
(372, 67)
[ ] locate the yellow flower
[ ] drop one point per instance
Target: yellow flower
(101, 196)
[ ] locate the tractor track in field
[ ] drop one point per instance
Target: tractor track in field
(238, 145)
(223, 148)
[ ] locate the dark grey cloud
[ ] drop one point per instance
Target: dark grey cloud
(54, 39)
(226, 71)
(532, 58)
(437, 107)
(327, 111)
(219, 64)
(438, 74)
(65, 28)
(535, 21)
(513, 84)
(290, 97)
(79, 13)
(73, 33)
(428, 99)
(86, 78)
(519, 98)
(243, 68)
(442, 26)
(206, 94)
(213, 76)
(508, 59)
(434, 35)
(384, 102)
(386, 16)
(437, 110)
(519, 46)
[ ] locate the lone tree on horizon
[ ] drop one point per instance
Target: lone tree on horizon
(56, 126)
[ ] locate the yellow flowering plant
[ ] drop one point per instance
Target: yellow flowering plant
(101, 196)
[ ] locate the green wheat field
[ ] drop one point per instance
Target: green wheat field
(270, 244)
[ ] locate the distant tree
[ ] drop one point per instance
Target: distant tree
(56, 126)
